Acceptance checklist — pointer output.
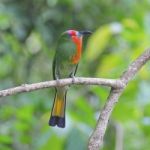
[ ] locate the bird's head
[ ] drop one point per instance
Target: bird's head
(77, 33)
(76, 36)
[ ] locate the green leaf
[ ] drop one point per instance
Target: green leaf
(111, 66)
(5, 139)
(97, 42)
(100, 39)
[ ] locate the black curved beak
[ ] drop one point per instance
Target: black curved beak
(85, 32)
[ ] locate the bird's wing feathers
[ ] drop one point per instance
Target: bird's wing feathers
(62, 65)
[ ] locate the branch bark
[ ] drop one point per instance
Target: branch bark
(96, 139)
(54, 83)
(117, 87)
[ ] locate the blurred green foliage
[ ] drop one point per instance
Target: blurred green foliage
(29, 30)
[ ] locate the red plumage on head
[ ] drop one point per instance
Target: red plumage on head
(73, 32)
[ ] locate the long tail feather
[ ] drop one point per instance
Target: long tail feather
(58, 110)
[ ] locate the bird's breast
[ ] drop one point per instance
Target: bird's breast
(78, 43)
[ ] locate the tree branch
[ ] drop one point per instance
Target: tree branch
(63, 82)
(96, 139)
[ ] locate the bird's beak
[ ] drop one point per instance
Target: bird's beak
(85, 32)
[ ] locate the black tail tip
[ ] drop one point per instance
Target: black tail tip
(59, 121)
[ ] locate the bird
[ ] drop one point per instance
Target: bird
(65, 64)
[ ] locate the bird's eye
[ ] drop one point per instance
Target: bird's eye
(79, 34)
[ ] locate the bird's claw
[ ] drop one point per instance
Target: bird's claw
(73, 79)
(57, 81)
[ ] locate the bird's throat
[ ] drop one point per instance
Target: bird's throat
(78, 42)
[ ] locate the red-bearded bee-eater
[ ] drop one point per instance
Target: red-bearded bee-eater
(67, 56)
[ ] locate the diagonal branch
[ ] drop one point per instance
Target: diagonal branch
(96, 139)
(136, 66)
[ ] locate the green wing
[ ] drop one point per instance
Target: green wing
(62, 65)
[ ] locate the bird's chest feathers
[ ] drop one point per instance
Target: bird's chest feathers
(78, 43)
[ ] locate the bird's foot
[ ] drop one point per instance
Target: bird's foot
(73, 79)
(57, 81)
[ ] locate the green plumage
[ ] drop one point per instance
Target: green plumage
(62, 64)
(62, 68)
(68, 53)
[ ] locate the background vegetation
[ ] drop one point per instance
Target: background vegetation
(29, 30)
